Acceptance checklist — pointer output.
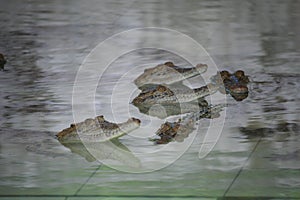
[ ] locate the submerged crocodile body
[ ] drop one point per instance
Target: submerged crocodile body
(2, 61)
(103, 151)
(166, 110)
(97, 130)
(167, 73)
(170, 131)
(162, 94)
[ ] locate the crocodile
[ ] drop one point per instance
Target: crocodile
(166, 110)
(174, 99)
(167, 73)
(97, 130)
(234, 84)
(2, 61)
(163, 94)
(170, 131)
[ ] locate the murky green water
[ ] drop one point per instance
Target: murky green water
(45, 43)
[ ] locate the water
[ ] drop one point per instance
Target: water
(46, 42)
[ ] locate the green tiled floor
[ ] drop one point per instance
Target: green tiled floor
(237, 176)
(201, 184)
(281, 154)
(269, 174)
(267, 183)
(139, 198)
(188, 176)
(32, 198)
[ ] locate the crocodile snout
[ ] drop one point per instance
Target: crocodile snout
(136, 120)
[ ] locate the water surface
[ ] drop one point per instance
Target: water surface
(46, 42)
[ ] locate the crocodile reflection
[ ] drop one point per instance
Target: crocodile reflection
(103, 151)
(166, 110)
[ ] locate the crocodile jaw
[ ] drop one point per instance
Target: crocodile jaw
(130, 125)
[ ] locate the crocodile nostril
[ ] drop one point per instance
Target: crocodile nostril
(169, 64)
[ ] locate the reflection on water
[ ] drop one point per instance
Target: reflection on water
(164, 111)
(45, 42)
(105, 152)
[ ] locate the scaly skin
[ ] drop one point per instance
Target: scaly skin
(161, 94)
(181, 129)
(166, 110)
(168, 73)
(97, 130)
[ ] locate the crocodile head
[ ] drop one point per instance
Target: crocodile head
(167, 73)
(177, 131)
(97, 129)
(172, 94)
(234, 84)
(152, 93)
